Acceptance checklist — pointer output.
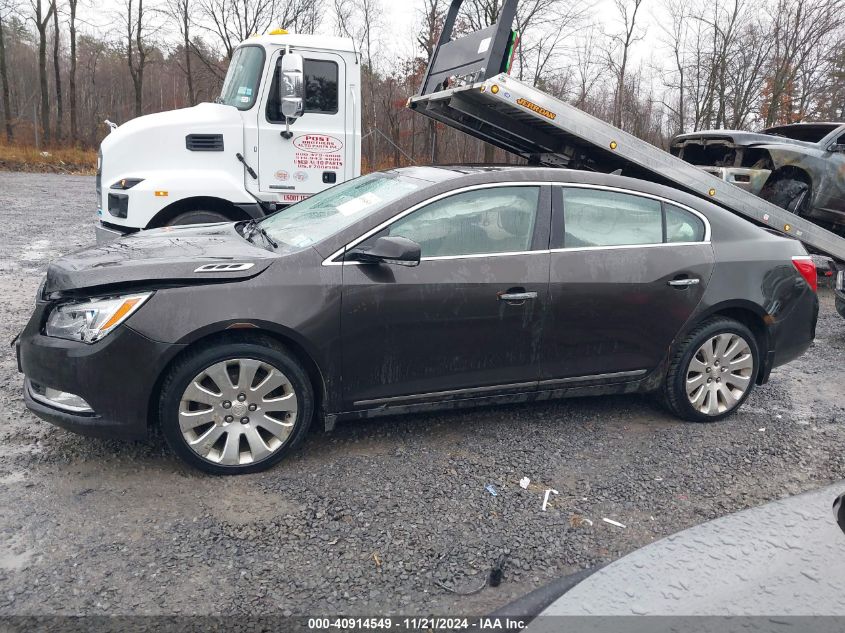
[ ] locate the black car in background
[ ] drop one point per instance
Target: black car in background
(840, 293)
(409, 290)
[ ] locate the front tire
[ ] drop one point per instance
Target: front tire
(236, 407)
(712, 372)
(788, 193)
(198, 216)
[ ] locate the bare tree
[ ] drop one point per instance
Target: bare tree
(74, 126)
(622, 43)
(57, 69)
(181, 11)
(42, 20)
(137, 48)
(4, 78)
(800, 29)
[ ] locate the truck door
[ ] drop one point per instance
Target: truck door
(314, 158)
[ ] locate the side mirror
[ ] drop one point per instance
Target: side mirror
(292, 86)
(837, 147)
(388, 250)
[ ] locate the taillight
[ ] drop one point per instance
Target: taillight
(805, 265)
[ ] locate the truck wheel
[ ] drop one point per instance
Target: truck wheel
(712, 372)
(236, 407)
(198, 217)
(788, 193)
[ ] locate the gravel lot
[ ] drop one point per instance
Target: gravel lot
(377, 516)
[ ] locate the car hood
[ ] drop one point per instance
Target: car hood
(739, 137)
(160, 256)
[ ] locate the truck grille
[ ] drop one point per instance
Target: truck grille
(204, 142)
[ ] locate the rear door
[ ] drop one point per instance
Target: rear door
(315, 157)
(464, 323)
(627, 271)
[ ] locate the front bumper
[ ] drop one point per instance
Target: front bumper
(751, 180)
(116, 376)
(108, 232)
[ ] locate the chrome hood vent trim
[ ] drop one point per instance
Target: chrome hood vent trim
(224, 268)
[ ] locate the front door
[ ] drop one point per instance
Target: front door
(314, 158)
(627, 271)
(466, 321)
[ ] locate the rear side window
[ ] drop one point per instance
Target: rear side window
(595, 217)
(490, 220)
(682, 226)
(321, 89)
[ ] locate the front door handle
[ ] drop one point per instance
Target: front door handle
(683, 283)
(516, 296)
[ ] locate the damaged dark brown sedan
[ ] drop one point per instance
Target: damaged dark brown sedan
(409, 290)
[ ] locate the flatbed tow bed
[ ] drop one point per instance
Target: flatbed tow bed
(471, 91)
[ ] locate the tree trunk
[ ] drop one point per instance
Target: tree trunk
(42, 82)
(192, 99)
(4, 84)
(74, 127)
(58, 72)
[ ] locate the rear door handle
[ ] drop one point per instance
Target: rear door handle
(516, 296)
(682, 283)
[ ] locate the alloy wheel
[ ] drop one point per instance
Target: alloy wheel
(719, 373)
(238, 411)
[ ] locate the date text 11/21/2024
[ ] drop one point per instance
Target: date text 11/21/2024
(416, 624)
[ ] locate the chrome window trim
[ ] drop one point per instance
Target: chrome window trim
(329, 261)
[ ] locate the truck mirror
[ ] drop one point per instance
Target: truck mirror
(292, 86)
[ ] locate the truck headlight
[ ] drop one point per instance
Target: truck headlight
(92, 319)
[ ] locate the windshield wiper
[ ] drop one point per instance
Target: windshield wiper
(252, 227)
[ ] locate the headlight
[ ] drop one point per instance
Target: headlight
(91, 320)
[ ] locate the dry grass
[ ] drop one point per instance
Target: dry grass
(62, 160)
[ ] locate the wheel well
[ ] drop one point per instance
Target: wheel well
(242, 335)
(197, 203)
(790, 172)
(752, 321)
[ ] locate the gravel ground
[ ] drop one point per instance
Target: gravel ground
(379, 516)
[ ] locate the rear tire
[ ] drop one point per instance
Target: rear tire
(198, 216)
(788, 193)
(712, 371)
(236, 407)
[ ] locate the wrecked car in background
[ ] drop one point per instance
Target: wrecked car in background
(799, 167)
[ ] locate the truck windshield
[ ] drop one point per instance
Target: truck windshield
(335, 209)
(241, 84)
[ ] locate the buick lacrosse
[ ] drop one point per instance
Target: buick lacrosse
(409, 290)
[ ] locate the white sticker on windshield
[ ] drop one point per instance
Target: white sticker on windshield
(351, 207)
(484, 45)
(301, 240)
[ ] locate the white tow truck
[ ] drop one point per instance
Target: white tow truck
(287, 125)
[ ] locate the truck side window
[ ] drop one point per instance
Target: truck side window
(321, 89)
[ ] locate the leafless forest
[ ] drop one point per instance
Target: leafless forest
(652, 67)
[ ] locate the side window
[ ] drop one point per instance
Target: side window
(321, 88)
(491, 220)
(594, 217)
(682, 226)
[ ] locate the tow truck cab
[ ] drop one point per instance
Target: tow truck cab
(240, 157)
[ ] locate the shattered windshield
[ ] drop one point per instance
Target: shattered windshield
(332, 210)
(241, 85)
